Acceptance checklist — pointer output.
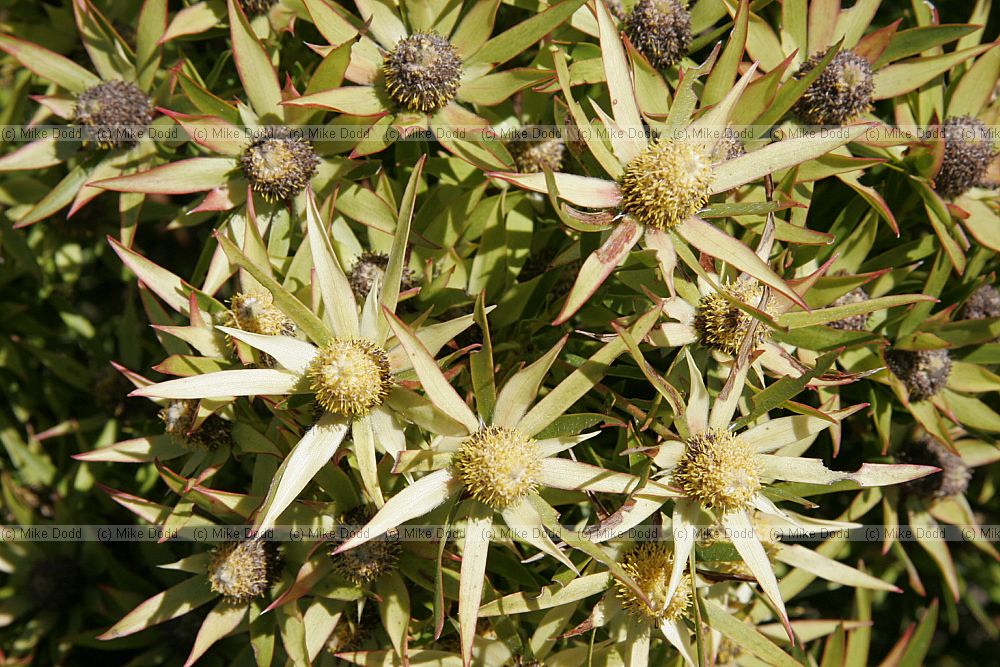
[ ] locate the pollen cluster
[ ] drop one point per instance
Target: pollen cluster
(840, 93)
(955, 474)
(112, 113)
(534, 151)
(967, 154)
(279, 166)
(667, 183)
(660, 30)
(649, 565)
(370, 268)
(243, 571)
(498, 465)
(369, 560)
(924, 372)
(350, 376)
(853, 322)
(722, 326)
(422, 72)
(178, 420)
(982, 304)
(720, 470)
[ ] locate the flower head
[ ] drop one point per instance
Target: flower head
(256, 7)
(422, 72)
(967, 154)
(924, 372)
(840, 93)
(243, 571)
(723, 326)
(660, 30)
(112, 111)
(498, 465)
(350, 376)
(650, 565)
(955, 473)
(720, 470)
(667, 183)
(278, 166)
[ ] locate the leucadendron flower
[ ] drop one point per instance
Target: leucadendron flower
(111, 107)
(349, 369)
(718, 471)
(419, 70)
(657, 188)
(492, 459)
(254, 149)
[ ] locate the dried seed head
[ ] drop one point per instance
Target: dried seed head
(279, 166)
(534, 150)
(840, 93)
(112, 113)
(649, 565)
(924, 372)
(853, 322)
(524, 661)
(243, 571)
(352, 632)
(254, 311)
(53, 581)
(722, 326)
(968, 151)
(369, 268)
(370, 560)
(178, 420)
(422, 72)
(955, 473)
(256, 7)
(660, 30)
(667, 183)
(982, 304)
(350, 376)
(499, 466)
(720, 470)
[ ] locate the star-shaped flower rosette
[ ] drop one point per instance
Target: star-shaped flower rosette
(489, 460)
(657, 189)
(721, 472)
(350, 368)
(418, 68)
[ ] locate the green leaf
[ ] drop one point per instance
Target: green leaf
(835, 313)
(260, 81)
(904, 77)
(511, 42)
(175, 178)
(49, 65)
(162, 607)
(746, 636)
(721, 78)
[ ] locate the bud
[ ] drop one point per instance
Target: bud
(278, 166)
(955, 474)
(982, 304)
(968, 151)
(840, 93)
(852, 322)
(243, 571)
(660, 30)
(924, 372)
(111, 112)
(422, 72)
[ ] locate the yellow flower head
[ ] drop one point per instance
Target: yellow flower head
(667, 183)
(350, 376)
(498, 465)
(243, 571)
(650, 564)
(721, 325)
(720, 470)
